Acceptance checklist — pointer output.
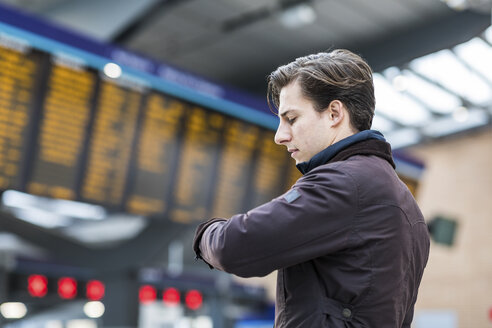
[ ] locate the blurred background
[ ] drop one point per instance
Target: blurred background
(125, 123)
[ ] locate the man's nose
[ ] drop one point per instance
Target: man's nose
(282, 135)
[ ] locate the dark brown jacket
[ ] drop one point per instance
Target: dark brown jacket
(348, 240)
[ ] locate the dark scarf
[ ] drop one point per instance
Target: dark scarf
(367, 142)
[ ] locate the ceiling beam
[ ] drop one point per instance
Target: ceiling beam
(442, 33)
(144, 19)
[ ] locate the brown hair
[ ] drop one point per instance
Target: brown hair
(327, 76)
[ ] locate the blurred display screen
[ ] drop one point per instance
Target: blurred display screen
(65, 113)
(20, 79)
(69, 132)
(157, 154)
(240, 141)
(110, 144)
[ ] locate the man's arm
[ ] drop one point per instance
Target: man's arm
(198, 237)
(407, 321)
(313, 219)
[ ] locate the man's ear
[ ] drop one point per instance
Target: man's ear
(336, 111)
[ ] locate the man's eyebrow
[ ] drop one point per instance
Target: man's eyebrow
(287, 112)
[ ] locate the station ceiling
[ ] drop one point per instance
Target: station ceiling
(431, 58)
(239, 42)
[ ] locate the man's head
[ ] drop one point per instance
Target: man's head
(321, 99)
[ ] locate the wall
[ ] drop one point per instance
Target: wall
(457, 183)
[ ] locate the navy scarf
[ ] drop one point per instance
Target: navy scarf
(331, 151)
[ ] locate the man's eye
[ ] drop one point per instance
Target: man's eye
(291, 120)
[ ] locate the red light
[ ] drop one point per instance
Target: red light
(37, 285)
(171, 296)
(67, 288)
(95, 290)
(147, 294)
(194, 299)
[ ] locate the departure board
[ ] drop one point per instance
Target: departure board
(110, 144)
(235, 168)
(63, 129)
(151, 140)
(68, 131)
(20, 69)
(157, 153)
(269, 178)
(197, 166)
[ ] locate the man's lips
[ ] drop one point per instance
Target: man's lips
(292, 151)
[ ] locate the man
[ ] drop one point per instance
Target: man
(348, 240)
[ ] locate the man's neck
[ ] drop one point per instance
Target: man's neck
(343, 132)
(325, 155)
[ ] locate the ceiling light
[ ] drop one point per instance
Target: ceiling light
(94, 309)
(53, 324)
(57, 207)
(42, 218)
(434, 97)
(460, 114)
(456, 4)
(400, 83)
(381, 124)
(445, 68)
(403, 138)
(477, 54)
(112, 70)
(13, 310)
(81, 323)
(114, 228)
(391, 72)
(297, 16)
(448, 125)
(78, 210)
(488, 34)
(203, 322)
(397, 106)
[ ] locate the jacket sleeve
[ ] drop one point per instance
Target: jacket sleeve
(314, 218)
(407, 321)
(198, 237)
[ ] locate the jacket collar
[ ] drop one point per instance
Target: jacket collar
(367, 142)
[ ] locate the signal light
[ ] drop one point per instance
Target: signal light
(147, 294)
(95, 290)
(194, 299)
(67, 288)
(37, 285)
(171, 297)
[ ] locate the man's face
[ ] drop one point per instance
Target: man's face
(304, 131)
